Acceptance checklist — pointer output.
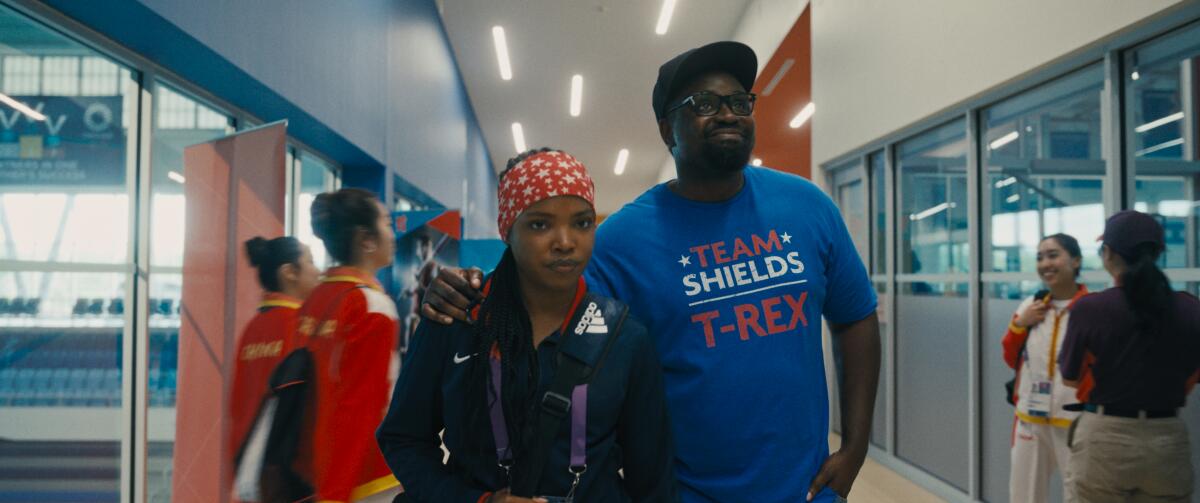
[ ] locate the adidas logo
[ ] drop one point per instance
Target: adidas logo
(592, 321)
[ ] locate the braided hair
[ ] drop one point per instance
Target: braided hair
(502, 323)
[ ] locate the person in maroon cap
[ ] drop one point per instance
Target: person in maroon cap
(1133, 353)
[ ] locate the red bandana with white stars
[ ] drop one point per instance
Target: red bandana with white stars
(541, 176)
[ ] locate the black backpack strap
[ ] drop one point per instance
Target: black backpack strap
(593, 329)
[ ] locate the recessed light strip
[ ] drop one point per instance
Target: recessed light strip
(502, 52)
(518, 137)
(664, 17)
(1003, 140)
(622, 158)
(783, 69)
(576, 95)
(802, 117)
(21, 107)
(1160, 122)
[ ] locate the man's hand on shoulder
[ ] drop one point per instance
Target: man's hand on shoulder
(449, 294)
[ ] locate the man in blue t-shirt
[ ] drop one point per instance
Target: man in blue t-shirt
(731, 268)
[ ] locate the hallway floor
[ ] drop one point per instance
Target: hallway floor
(878, 484)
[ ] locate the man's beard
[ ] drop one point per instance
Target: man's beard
(728, 158)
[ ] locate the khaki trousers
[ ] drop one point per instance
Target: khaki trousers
(1119, 460)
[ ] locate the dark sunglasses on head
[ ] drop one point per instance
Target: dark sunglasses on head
(706, 103)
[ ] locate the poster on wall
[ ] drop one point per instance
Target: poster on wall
(80, 142)
(425, 241)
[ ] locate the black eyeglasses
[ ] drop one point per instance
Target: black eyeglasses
(705, 103)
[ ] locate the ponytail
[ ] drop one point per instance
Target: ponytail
(1146, 288)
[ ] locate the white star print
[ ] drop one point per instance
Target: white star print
(563, 164)
(786, 238)
(685, 260)
(543, 173)
(553, 193)
(528, 191)
(538, 162)
(569, 179)
(522, 180)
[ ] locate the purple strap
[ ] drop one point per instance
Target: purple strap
(579, 426)
(499, 426)
(578, 421)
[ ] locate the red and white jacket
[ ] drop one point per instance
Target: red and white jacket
(351, 327)
(264, 342)
(1040, 362)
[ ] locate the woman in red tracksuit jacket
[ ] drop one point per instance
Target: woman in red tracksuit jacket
(287, 275)
(350, 325)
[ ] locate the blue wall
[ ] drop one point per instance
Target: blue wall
(370, 83)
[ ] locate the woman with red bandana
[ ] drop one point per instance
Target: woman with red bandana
(287, 274)
(350, 325)
(517, 424)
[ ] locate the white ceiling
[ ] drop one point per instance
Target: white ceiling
(612, 44)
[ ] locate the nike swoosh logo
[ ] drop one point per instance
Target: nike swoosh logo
(460, 359)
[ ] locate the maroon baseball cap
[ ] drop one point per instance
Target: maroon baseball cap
(1125, 230)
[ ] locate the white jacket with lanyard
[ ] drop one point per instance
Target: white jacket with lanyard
(1040, 391)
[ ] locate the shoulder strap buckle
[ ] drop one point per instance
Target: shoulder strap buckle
(556, 404)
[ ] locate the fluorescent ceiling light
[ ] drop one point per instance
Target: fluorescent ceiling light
(783, 69)
(756, 162)
(1160, 146)
(664, 17)
(502, 52)
(576, 94)
(1006, 182)
(622, 158)
(518, 137)
(176, 176)
(802, 117)
(931, 211)
(1013, 198)
(1160, 122)
(21, 107)
(1003, 140)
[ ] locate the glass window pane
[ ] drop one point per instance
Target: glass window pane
(100, 77)
(179, 121)
(63, 200)
(932, 407)
(850, 195)
(932, 222)
(882, 416)
(1045, 171)
(879, 236)
(1162, 93)
(22, 74)
(316, 176)
(60, 75)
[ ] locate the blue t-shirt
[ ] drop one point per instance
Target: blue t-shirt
(733, 292)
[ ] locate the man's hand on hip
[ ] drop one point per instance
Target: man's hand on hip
(838, 473)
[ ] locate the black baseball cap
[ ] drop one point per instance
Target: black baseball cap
(734, 57)
(1124, 231)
